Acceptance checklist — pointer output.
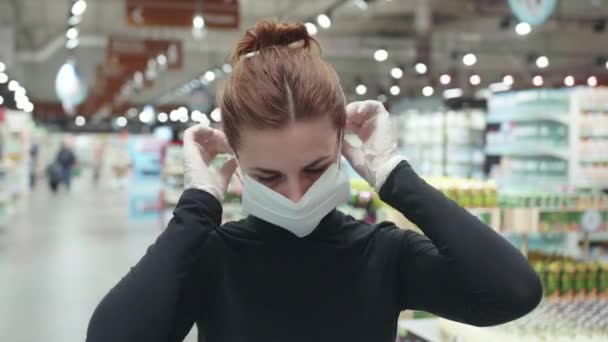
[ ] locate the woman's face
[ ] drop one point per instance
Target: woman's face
(289, 160)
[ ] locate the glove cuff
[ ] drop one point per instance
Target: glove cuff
(384, 169)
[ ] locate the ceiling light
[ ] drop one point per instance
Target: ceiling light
(198, 22)
(161, 59)
(311, 28)
(475, 80)
(606, 64)
(445, 79)
(428, 91)
(3, 78)
(569, 80)
(362, 4)
(121, 121)
(72, 33)
(1, 100)
(2, 67)
(382, 98)
(209, 76)
(361, 89)
(80, 121)
(162, 117)
(452, 93)
(13, 85)
(395, 90)
(182, 111)
(72, 44)
(469, 59)
(542, 62)
(196, 115)
(592, 81)
(174, 116)
(397, 73)
(523, 29)
(79, 7)
(227, 68)
(146, 115)
(216, 115)
(28, 108)
(421, 68)
(381, 55)
(508, 80)
(74, 20)
(20, 92)
(324, 21)
(205, 121)
(537, 80)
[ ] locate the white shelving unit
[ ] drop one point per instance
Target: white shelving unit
(444, 142)
(555, 138)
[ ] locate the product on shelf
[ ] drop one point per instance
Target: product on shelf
(553, 200)
(467, 193)
(550, 138)
(443, 142)
(565, 277)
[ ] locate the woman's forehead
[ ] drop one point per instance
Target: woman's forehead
(295, 145)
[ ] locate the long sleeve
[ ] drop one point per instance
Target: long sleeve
(154, 302)
(465, 272)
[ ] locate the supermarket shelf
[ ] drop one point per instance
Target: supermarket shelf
(527, 117)
(591, 137)
(527, 151)
(591, 183)
(594, 160)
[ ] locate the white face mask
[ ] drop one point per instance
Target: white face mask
(301, 218)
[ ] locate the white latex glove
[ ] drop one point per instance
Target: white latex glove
(201, 145)
(378, 154)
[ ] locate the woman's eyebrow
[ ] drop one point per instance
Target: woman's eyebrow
(316, 162)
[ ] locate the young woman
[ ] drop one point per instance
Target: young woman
(297, 269)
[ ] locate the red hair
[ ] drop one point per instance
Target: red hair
(278, 78)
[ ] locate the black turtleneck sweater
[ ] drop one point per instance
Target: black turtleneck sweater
(347, 281)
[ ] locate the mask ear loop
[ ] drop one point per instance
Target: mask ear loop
(239, 173)
(340, 142)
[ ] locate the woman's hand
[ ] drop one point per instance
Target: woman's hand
(378, 155)
(201, 146)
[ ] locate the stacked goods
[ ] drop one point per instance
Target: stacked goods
(467, 193)
(567, 278)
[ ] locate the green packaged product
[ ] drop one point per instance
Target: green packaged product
(553, 279)
(602, 285)
(592, 279)
(580, 280)
(567, 279)
(541, 271)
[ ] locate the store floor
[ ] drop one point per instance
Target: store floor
(60, 254)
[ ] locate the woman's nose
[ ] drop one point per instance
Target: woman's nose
(296, 188)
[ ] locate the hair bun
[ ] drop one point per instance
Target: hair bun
(269, 33)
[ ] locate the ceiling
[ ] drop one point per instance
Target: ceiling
(455, 27)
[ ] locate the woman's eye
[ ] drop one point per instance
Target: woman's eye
(317, 170)
(267, 179)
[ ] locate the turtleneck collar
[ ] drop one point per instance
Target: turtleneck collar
(328, 226)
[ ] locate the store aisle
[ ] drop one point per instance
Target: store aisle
(60, 254)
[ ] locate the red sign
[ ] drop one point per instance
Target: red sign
(134, 53)
(218, 14)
